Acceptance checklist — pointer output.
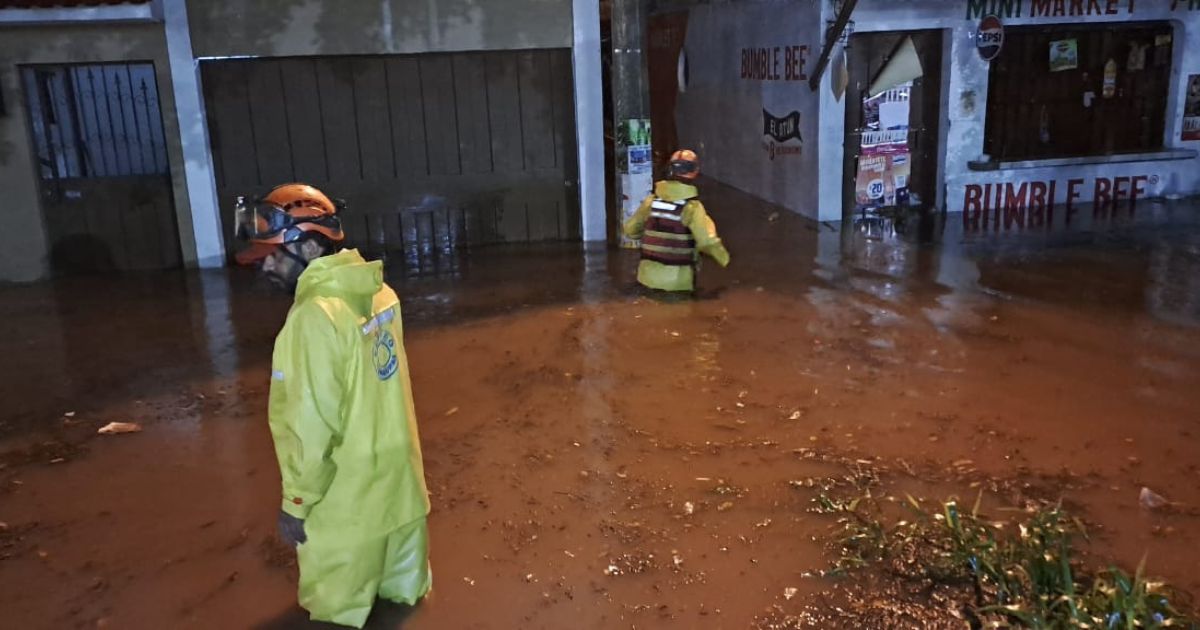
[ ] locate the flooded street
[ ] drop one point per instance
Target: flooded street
(600, 458)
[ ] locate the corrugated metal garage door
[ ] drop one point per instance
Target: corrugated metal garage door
(441, 150)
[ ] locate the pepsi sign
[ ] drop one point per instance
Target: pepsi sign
(990, 37)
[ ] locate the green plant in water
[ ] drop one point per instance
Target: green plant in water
(1023, 579)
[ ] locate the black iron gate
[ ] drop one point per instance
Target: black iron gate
(102, 165)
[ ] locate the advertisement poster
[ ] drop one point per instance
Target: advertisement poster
(1110, 79)
(635, 137)
(883, 169)
(636, 167)
(1191, 109)
(884, 161)
(1064, 55)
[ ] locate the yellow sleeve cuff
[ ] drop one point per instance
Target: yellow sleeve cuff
(297, 507)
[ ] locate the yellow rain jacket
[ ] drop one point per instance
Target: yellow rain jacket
(676, 247)
(341, 414)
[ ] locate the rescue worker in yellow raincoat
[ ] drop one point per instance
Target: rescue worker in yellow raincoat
(675, 229)
(341, 414)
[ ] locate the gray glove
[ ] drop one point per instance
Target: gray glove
(291, 529)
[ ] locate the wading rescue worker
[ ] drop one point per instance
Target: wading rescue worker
(341, 414)
(675, 229)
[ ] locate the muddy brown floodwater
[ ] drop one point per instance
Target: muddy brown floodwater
(601, 459)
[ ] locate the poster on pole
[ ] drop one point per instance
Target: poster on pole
(1191, 109)
(635, 165)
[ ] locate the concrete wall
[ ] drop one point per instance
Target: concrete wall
(23, 246)
(223, 28)
(721, 113)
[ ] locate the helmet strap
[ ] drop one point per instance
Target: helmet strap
(287, 251)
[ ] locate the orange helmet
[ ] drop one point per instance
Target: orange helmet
(289, 213)
(684, 165)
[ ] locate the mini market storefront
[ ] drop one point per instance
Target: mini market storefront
(1060, 103)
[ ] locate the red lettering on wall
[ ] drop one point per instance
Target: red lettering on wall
(1119, 190)
(1076, 7)
(1102, 195)
(1037, 204)
(1094, 5)
(972, 196)
(1111, 9)
(1039, 8)
(763, 64)
(1014, 205)
(1136, 189)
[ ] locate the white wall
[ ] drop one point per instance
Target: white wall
(721, 114)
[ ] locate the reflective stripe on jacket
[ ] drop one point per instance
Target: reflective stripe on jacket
(666, 239)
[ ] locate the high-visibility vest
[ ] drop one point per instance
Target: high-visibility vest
(666, 239)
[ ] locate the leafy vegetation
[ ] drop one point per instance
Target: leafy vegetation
(1017, 573)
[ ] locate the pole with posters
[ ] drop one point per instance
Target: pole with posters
(631, 108)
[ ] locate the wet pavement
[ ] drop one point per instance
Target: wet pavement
(598, 458)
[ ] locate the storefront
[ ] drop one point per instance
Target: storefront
(1012, 112)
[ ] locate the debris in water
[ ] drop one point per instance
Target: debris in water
(451, 411)
(1151, 500)
(69, 414)
(795, 415)
(789, 592)
(678, 559)
(689, 508)
(114, 428)
(612, 570)
(773, 216)
(725, 506)
(469, 581)
(58, 460)
(569, 554)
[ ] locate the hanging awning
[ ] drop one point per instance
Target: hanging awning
(902, 67)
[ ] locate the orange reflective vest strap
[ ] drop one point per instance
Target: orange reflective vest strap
(666, 239)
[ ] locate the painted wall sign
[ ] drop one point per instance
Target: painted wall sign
(781, 63)
(1191, 109)
(782, 134)
(990, 37)
(1033, 203)
(782, 129)
(1066, 8)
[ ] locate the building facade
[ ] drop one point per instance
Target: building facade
(128, 128)
(1008, 110)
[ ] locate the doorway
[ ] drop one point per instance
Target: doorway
(106, 192)
(893, 107)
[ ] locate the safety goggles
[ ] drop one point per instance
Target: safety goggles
(260, 222)
(684, 167)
